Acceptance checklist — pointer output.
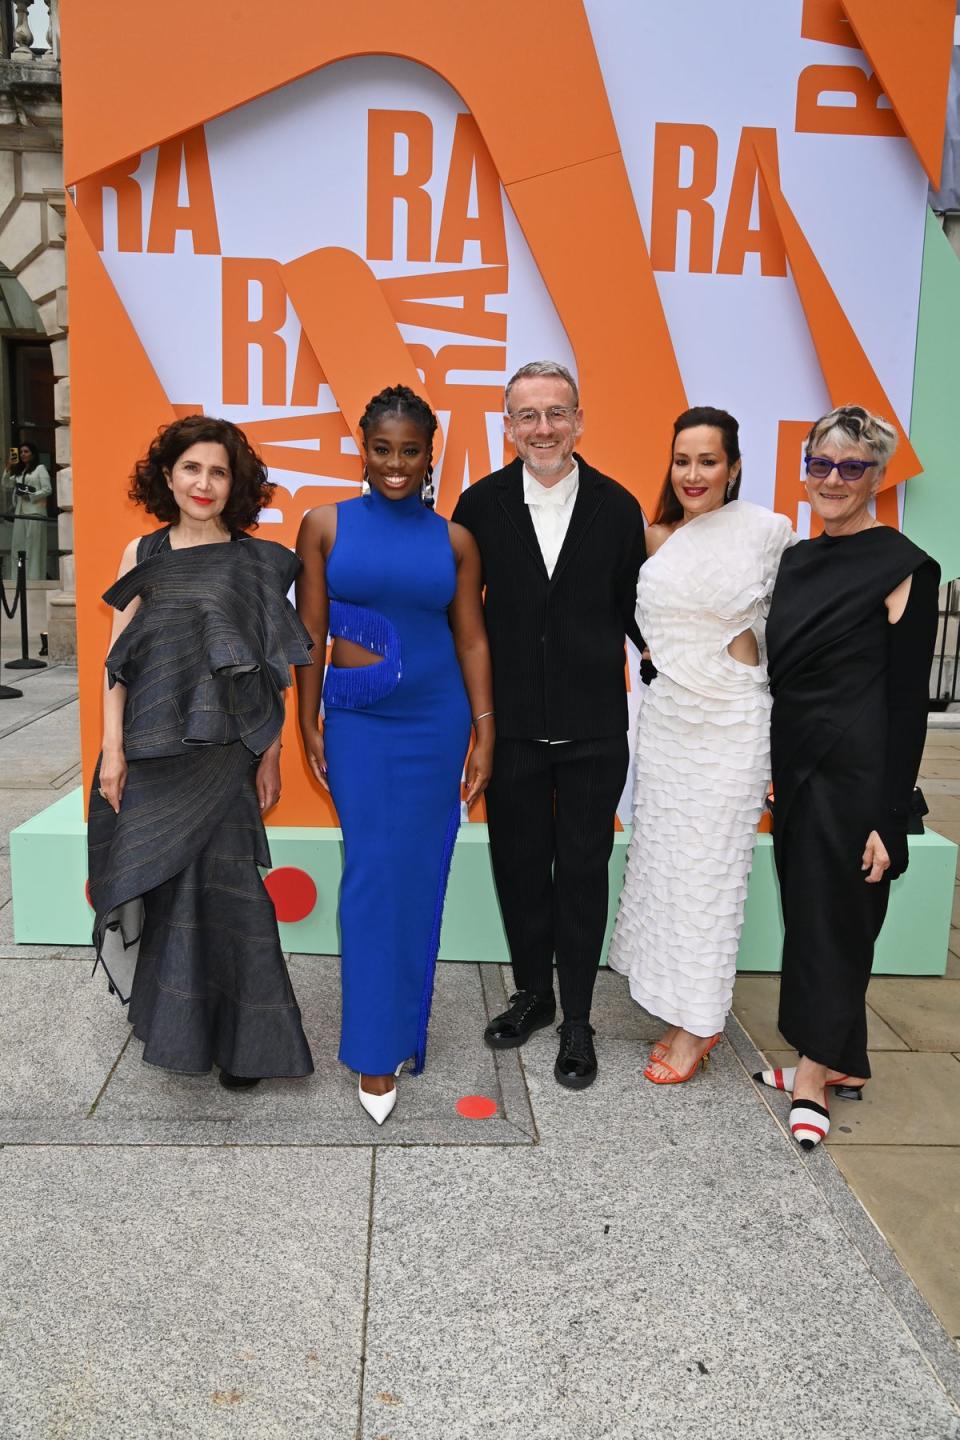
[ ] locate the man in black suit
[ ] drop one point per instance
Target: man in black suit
(561, 547)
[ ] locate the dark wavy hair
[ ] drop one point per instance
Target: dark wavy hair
(22, 467)
(669, 509)
(250, 488)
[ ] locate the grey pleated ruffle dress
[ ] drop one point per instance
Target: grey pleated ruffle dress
(183, 925)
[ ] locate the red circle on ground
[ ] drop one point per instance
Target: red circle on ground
(292, 891)
(476, 1107)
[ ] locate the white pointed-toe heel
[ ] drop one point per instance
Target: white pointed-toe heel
(378, 1107)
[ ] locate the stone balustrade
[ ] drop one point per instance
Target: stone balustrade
(22, 18)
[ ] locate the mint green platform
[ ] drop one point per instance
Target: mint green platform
(49, 862)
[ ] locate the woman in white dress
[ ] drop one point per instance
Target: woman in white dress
(27, 484)
(703, 742)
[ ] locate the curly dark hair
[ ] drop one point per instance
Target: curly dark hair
(400, 400)
(669, 509)
(250, 488)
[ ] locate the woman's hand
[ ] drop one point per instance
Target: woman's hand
(316, 758)
(268, 778)
(113, 777)
(876, 860)
(479, 770)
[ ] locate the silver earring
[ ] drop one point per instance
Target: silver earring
(426, 488)
(365, 483)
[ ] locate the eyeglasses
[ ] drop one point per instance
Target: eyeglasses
(818, 467)
(554, 415)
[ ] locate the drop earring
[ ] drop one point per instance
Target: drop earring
(365, 483)
(426, 488)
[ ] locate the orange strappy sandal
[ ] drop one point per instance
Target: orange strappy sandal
(675, 1078)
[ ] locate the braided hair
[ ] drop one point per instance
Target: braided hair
(404, 403)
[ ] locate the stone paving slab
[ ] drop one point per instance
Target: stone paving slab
(40, 753)
(913, 1098)
(184, 1294)
(913, 1193)
(702, 1290)
(755, 1002)
(58, 1041)
(926, 1012)
(81, 1079)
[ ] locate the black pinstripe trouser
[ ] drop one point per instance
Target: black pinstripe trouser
(551, 810)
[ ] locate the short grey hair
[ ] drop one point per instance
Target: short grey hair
(853, 425)
(542, 367)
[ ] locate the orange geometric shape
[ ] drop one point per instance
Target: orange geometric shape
(865, 116)
(848, 374)
(351, 330)
(111, 428)
(570, 193)
(824, 20)
(910, 47)
(466, 45)
(582, 227)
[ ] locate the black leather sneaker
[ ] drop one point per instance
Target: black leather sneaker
(576, 1066)
(528, 1011)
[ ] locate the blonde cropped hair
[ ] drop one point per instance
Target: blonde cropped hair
(852, 425)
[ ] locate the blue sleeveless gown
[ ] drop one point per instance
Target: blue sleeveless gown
(396, 734)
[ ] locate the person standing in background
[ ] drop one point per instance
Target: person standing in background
(26, 485)
(561, 547)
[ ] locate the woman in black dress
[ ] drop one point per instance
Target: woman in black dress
(850, 640)
(203, 640)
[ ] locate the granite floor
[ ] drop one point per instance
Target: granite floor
(899, 1148)
(177, 1261)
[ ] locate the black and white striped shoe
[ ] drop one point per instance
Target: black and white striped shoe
(784, 1080)
(809, 1123)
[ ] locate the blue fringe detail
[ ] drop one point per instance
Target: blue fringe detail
(354, 688)
(433, 946)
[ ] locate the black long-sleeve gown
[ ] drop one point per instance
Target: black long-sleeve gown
(847, 731)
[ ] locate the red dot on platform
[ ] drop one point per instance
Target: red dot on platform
(476, 1107)
(293, 893)
(86, 891)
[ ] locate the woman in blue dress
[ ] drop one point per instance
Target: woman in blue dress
(398, 589)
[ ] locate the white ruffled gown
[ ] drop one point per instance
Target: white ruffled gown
(702, 765)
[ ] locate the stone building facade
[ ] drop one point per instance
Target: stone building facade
(33, 263)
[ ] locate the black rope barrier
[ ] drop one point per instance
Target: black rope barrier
(7, 692)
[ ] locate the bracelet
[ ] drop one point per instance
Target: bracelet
(486, 715)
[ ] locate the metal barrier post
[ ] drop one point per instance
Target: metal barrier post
(7, 692)
(24, 663)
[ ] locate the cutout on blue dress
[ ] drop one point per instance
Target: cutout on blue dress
(355, 687)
